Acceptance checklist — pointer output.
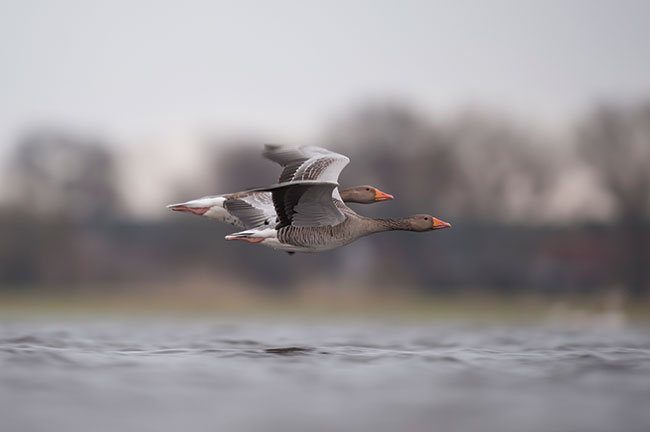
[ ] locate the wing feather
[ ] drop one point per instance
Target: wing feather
(305, 204)
(306, 162)
(254, 209)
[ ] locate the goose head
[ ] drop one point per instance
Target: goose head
(364, 195)
(425, 222)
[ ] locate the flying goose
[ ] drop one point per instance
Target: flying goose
(252, 209)
(312, 217)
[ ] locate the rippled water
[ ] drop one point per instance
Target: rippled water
(206, 376)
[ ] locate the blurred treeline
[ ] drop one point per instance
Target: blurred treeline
(531, 211)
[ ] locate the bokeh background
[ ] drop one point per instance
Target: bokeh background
(525, 124)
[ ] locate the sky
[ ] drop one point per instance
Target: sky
(161, 68)
(159, 74)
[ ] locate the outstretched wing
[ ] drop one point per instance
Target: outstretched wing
(306, 163)
(305, 204)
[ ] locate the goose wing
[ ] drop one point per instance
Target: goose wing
(306, 162)
(254, 209)
(306, 203)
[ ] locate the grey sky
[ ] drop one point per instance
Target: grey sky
(130, 68)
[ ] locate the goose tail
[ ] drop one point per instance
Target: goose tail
(252, 236)
(199, 206)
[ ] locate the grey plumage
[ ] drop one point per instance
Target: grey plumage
(253, 209)
(305, 204)
(320, 238)
(306, 162)
(249, 215)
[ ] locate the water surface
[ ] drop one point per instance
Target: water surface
(298, 376)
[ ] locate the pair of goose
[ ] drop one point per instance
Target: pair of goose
(304, 211)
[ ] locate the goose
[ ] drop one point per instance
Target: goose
(255, 208)
(312, 217)
(252, 209)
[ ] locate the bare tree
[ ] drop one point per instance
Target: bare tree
(474, 167)
(505, 173)
(237, 164)
(616, 142)
(395, 148)
(57, 174)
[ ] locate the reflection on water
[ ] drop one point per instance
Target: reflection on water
(326, 377)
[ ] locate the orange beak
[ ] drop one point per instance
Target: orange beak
(382, 196)
(438, 224)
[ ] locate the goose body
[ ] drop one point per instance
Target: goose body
(258, 206)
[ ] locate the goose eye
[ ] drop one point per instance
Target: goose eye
(367, 189)
(426, 218)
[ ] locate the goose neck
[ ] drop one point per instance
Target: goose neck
(390, 224)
